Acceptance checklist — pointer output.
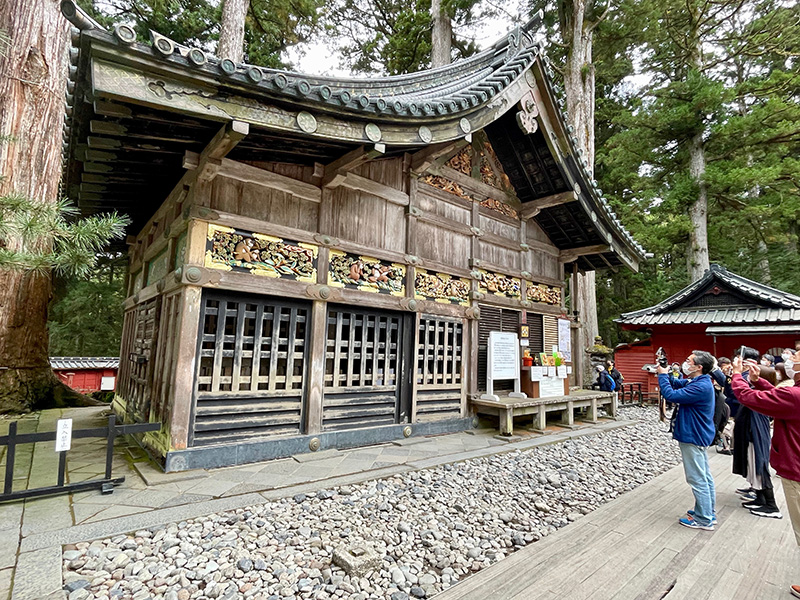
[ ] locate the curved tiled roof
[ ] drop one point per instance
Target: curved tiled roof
(760, 304)
(404, 113)
(83, 362)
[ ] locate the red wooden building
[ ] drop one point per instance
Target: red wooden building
(717, 313)
(86, 375)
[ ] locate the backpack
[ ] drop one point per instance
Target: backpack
(607, 383)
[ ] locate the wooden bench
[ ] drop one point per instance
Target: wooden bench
(507, 408)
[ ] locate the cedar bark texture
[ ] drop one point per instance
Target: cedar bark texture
(32, 81)
(231, 31)
(441, 35)
(579, 80)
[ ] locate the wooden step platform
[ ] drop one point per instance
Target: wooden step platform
(505, 409)
(634, 548)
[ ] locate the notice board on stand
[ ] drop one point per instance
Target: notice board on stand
(503, 362)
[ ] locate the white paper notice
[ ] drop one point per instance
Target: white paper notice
(561, 372)
(551, 386)
(63, 434)
(537, 373)
(569, 370)
(551, 371)
(564, 339)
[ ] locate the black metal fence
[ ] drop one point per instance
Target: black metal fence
(105, 485)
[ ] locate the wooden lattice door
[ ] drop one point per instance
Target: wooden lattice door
(440, 368)
(366, 369)
(144, 332)
(252, 368)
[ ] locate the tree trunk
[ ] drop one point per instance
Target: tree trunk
(697, 252)
(231, 31)
(763, 262)
(441, 35)
(579, 80)
(32, 83)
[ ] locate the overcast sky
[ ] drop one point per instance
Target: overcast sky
(321, 58)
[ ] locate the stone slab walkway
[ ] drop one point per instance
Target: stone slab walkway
(30, 565)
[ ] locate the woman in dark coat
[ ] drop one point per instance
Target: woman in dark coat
(751, 443)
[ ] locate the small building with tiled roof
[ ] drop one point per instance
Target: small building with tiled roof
(718, 313)
(318, 262)
(86, 374)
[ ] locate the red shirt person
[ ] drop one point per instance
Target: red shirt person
(783, 405)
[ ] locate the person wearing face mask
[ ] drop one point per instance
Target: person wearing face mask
(694, 430)
(751, 438)
(676, 371)
(767, 360)
(783, 405)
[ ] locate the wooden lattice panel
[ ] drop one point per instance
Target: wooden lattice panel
(362, 350)
(252, 362)
(141, 354)
(363, 369)
(439, 353)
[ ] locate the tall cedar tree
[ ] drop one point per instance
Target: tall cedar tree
(32, 80)
(571, 41)
(733, 107)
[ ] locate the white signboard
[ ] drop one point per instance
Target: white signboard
(503, 355)
(551, 386)
(63, 435)
(502, 363)
(561, 372)
(107, 384)
(537, 373)
(565, 339)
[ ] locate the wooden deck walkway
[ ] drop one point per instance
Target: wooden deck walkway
(633, 547)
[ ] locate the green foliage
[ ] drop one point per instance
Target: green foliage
(44, 237)
(271, 26)
(394, 37)
(742, 96)
(86, 319)
(190, 22)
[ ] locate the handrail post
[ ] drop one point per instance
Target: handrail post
(12, 440)
(62, 467)
(112, 434)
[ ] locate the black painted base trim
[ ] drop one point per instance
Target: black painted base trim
(209, 457)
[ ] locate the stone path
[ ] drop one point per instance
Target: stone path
(149, 498)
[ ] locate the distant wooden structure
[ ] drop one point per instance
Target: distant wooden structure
(718, 314)
(319, 261)
(86, 374)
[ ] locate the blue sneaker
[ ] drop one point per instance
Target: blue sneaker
(692, 524)
(713, 519)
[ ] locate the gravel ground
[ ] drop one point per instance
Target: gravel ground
(433, 527)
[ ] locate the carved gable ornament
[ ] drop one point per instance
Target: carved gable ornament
(526, 118)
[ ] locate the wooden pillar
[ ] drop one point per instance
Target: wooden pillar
(316, 366)
(185, 367)
(577, 337)
(182, 396)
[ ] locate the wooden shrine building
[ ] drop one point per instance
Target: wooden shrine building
(317, 261)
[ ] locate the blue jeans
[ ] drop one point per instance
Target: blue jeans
(698, 476)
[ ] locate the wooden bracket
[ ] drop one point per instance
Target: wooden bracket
(567, 256)
(534, 207)
(336, 171)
